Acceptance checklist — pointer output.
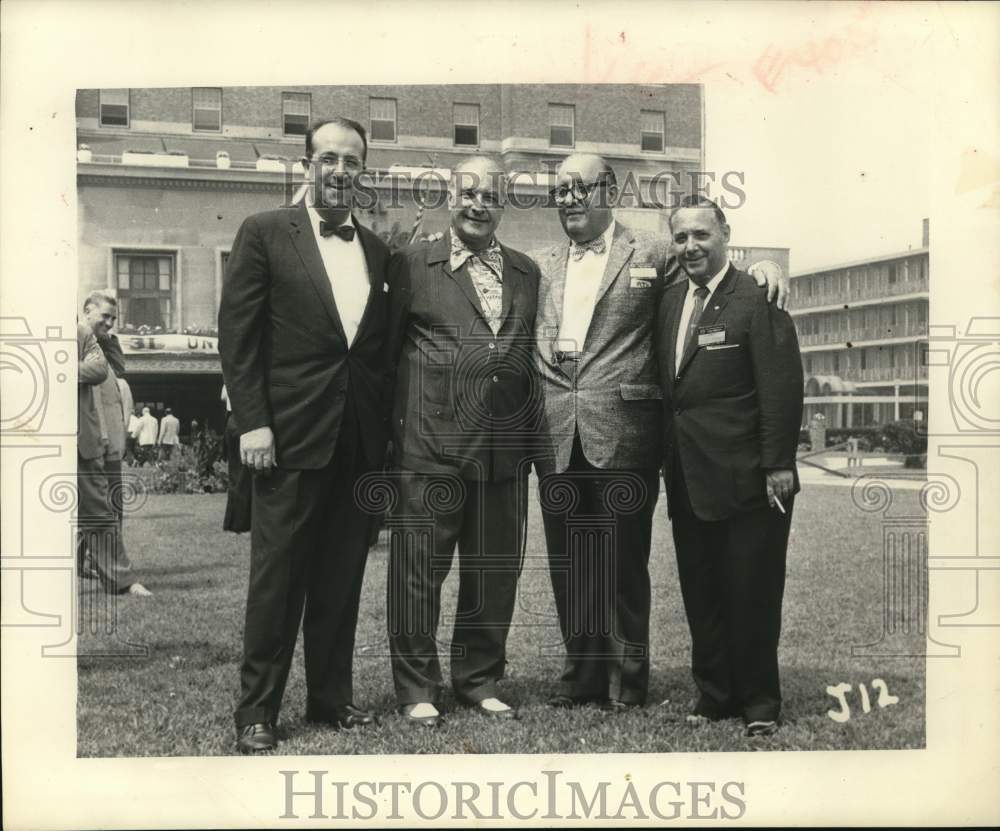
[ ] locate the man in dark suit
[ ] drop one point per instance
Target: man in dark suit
(464, 420)
(302, 334)
(732, 387)
(599, 484)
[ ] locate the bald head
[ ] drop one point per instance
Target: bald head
(586, 188)
(477, 195)
(587, 167)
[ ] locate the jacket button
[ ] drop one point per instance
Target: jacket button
(495, 379)
(492, 345)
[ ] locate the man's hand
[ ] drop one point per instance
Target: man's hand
(257, 449)
(769, 272)
(779, 484)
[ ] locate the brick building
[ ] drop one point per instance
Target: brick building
(166, 175)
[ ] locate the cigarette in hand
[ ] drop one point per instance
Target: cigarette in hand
(778, 503)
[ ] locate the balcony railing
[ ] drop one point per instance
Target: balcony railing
(800, 300)
(841, 336)
(903, 374)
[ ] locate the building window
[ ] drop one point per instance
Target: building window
(653, 129)
(382, 119)
(296, 110)
(206, 106)
(114, 108)
(467, 125)
(562, 120)
(145, 282)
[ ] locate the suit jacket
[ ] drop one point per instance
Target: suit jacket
(732, 409)
(109, 398)
(92, 369)
(147, 431)
(285, 356)
(614, 403)
(169, 430)
(466, 401)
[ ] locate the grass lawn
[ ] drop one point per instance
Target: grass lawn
(178, 698)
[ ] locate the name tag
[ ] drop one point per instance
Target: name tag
(707, 335)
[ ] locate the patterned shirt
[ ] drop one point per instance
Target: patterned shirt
(486, 271)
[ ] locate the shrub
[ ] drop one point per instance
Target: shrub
(197, 468)
(902, 437)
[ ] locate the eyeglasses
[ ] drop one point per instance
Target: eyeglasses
(579, 190)
(352, 163)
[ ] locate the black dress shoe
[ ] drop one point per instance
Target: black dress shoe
(254, 738)
(421, 721)
(613, 705)
(510, 714)
(344, 717)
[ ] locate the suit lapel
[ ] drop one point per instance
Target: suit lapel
(374, 283)
(440, 252)
(713, 310)
(622, 246)
(556, 271)
(674, 321)
(304, 241)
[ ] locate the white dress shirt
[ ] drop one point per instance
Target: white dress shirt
(347, 271)
(583, 279)
(689, 307)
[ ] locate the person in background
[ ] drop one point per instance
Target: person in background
(169, 437)
(147, 435)
(133, 425)
(100, 443)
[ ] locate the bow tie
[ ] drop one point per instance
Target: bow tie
(345, 232)
(491, 257)
(597, 245)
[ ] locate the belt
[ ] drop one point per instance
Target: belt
(561, 357)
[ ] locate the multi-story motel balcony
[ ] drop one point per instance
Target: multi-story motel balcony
(841, 337)
(838, 299)
(884, 373)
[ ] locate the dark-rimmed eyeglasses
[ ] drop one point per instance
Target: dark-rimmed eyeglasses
(580, 191)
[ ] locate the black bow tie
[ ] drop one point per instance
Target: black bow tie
(345, 232)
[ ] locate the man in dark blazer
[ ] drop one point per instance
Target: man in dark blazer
(599, 483)
(464, 420)
(732, 388)
(302, 338)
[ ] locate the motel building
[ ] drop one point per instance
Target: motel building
(862, 330)
(165, 176)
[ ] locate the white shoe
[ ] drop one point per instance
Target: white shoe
(494, 705)
(139, 590)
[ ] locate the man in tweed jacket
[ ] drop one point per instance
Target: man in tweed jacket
(597, 303)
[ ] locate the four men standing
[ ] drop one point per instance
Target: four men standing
(491, 363)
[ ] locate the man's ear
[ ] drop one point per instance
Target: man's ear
(725, 231)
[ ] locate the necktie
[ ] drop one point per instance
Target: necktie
(597, 245)
(345, 232)
(700, 294)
